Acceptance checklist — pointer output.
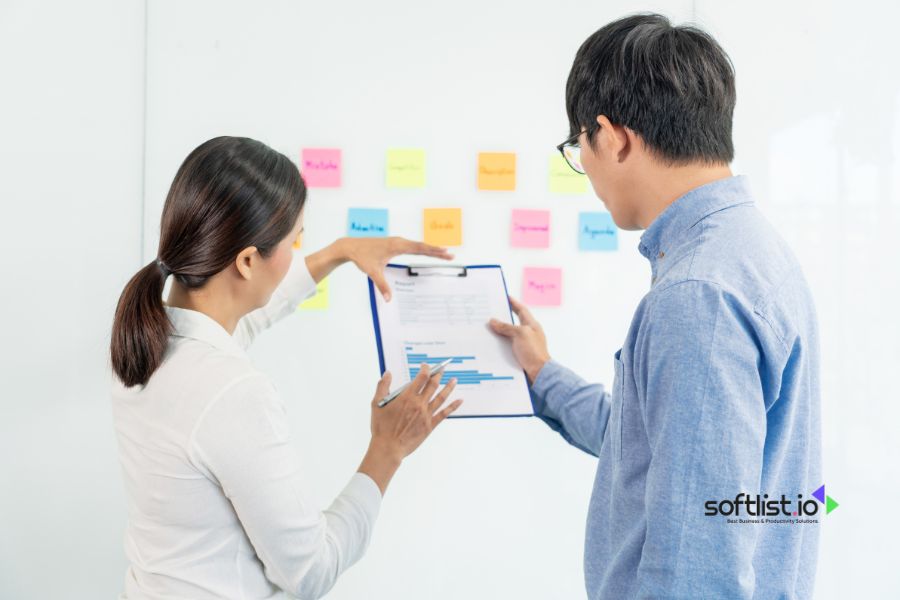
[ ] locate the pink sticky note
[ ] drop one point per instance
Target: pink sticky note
(321, 167)
(530, 228)
(542, 286)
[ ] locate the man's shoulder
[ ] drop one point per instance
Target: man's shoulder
(737, 254)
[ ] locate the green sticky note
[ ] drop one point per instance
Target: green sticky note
(320, 300)
(405, 168)
(563, 179)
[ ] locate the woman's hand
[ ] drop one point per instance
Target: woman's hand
(399, 427)
(370, 255)
(529, 344)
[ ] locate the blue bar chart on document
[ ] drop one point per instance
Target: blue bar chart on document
(435, 318)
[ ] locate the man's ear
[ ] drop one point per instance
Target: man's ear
(245, 262)
(615, 140)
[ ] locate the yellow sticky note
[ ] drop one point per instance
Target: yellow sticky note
(320, 300)
(443, 226)
(496, 171)
(563, 179)
(405, 168)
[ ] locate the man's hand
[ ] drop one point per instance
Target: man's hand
(528, 341)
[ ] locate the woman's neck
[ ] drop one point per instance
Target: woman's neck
(207, 300)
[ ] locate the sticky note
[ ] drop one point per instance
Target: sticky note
(530, 228)
(496, 171)
(321, 167)
(542, 286)
(405, 168)
(320, 300)
(443, 226)
(367, 222)
(597, 231)
(563, 179)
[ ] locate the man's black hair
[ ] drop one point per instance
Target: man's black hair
(673, 86)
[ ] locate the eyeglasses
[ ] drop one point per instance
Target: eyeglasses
(571, 151)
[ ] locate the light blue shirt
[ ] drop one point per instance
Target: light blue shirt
(716, 392)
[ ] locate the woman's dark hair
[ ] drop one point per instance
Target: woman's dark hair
(673, 86)
(229, 193)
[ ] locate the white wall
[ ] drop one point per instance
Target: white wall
(71, 149)
(487, 509)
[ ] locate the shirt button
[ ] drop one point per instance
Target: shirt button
(661, 254)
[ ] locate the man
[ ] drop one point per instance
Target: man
(716, 390)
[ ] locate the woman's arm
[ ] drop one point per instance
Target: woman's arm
(369, 254)
(242, 441)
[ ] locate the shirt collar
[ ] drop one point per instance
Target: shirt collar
(196, 325)
(690, 209)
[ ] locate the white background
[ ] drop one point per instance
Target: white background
(102, 100)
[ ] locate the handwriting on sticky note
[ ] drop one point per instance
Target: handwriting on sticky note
(320, 300)
(321, 167)
(530, 228)
(496, 171)
(542, 286)
(443, 226)
(597, 231)
(405, 168)
(367, 222)
(563, 179)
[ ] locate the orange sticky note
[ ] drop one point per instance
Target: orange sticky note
(443, 226)
(496, 171)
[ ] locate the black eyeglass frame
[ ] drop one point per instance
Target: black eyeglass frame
(572, 140)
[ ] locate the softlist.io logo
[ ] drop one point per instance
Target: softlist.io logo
(746, 508)
(828, 501)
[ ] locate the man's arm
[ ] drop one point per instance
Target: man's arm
(576, 409)
(696, 369)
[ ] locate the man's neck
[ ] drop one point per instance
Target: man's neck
(668, 184)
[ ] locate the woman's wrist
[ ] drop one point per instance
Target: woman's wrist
(326, 260)
(380, 462)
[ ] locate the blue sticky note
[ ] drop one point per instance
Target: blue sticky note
(367, 222)
(596, 231)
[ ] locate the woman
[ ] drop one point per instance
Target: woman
(216, 504)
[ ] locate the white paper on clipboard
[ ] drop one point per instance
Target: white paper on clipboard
(441, 312)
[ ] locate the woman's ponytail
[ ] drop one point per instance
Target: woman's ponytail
(141, 327)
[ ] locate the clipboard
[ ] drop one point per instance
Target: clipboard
(441, 311)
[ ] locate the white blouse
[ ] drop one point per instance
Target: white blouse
(217, 507)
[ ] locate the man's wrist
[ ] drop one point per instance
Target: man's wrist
(534, 370)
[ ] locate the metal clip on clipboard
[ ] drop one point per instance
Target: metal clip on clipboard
(436, 271)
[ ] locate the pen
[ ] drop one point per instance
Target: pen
(437, 371)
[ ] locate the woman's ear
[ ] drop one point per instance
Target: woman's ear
(245, 261)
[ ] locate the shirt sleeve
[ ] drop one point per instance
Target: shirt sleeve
(297, 285)
(243, 442)
(696, 370)
(578, 410)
